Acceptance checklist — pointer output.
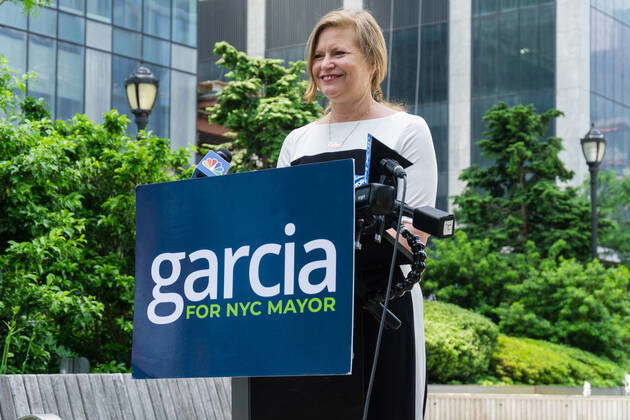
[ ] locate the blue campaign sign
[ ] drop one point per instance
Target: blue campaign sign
(246, 275)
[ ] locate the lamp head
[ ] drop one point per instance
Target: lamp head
(593, 146)
(141, 87)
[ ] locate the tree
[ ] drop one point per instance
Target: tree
(613, 201)
(67, 223)
(517, 198)
(262, 103)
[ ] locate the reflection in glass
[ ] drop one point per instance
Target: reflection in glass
(44, 22)
(42, 60)
(157, 18)
(14, 48)
(71, 28)
(126, 42)
(100, 10)
(11, 14)
(72, 6)
(433, 85)
(404, 61)
(610, 83)
(292, 53)
(157, 51)
(436, 116)
(185, 22)
(70, 76)
(127, 13)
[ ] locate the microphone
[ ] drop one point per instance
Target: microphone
(392, 167)
(213, 164)
(428, 219)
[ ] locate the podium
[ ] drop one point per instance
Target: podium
(252, 276)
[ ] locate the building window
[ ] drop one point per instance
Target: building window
(14, 48)
(100, 10)
(185, 22)
(42, 60)
(71, 28)
(127, 43)
(513, 59)
(44, 22)
(70, 76)
(156, 51)
(127, 14)
(11, 14)
(72, 6)
(157, 18)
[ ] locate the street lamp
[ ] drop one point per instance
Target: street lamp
(593, 147)
(141, 88)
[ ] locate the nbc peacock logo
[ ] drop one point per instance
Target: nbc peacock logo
(214, 166)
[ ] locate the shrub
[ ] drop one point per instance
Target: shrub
(458, 342)
(581, 305)
(534, 362)
(67, 223)
(469, 274)
(563, 301)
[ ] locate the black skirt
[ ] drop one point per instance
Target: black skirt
(399, 390)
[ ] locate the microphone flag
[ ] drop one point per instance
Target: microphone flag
(212, 164)
(363, 179)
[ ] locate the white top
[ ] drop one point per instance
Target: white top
(407, 134)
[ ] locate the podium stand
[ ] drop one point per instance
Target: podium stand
(304, 397)
(221, 294)
(339, 396)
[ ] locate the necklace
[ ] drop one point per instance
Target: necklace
(335, 144)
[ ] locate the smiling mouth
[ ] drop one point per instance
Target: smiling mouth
(329, 77)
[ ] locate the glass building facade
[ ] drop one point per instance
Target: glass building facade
(513, 58)
(83, 51)
(416, 34)
(288, 25)
(223, 20)
(610, 80)
(512, 50)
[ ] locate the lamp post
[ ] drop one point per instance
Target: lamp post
(141, 88)
(593, 147)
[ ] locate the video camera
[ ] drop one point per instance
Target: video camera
(377, 209)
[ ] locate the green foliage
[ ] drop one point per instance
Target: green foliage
(564, 301)
(613, 201)
(67, 223)
(534, 362)
(467, 273)
(28, 5)
(458, 343)
(262, 103)
(516, 199)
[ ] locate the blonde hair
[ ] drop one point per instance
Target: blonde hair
(369, 38)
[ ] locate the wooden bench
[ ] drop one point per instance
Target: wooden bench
(114, 396)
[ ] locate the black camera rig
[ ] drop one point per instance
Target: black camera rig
(377, 209)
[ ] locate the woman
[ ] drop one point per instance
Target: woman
(347, 61)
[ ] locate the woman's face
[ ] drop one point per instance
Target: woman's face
(339, 69)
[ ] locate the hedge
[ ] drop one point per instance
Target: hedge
(534, 362)
(459, 343)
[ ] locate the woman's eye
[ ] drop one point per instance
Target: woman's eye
(340, 52)
(317, 56)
